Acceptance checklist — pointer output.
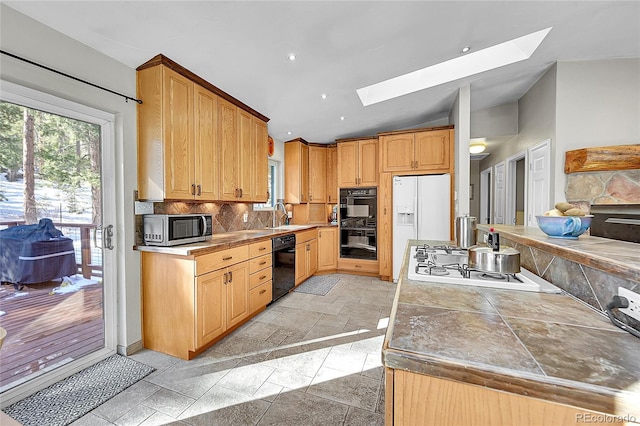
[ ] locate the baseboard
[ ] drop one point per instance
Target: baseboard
(131, 349)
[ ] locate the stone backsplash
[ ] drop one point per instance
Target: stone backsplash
(620, 187)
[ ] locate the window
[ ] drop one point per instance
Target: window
(273, 183)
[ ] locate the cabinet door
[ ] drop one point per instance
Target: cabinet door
(368, 162)
(347, 164)
(312, 257)
(304, 176)
(206, 147)
(396, 152)
(385, 224)
(227, 137)
(237, 293)
(317, 174)
(211, 294)
(260, 171)
(327, 249)
(332, 175)
(178, 137)
(301, 262)
(432, 150)
(246, 155)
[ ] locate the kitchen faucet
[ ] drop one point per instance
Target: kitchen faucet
(279, 203)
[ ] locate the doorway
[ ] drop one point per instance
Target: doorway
(485, 196)
(515, 189)
(56, 153)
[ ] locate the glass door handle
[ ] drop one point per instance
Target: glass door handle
(108, 238)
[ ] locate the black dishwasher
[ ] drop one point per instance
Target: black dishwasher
(284, 264)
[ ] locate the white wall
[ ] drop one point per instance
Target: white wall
(28, 38)
(598, 104)
(460, 117)
(495, 122)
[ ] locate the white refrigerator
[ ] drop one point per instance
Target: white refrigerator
(421, 210)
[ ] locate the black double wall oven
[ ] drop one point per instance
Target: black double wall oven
(358, 225)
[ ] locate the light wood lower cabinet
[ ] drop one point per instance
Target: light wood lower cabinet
(327, 249)
(366, 267)
(306, 255)
(260, 275)
(416, 399)
(190, 301)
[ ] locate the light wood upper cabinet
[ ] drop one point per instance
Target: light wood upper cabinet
(358, 163)
(260, 170)
(227, 136)
(428, 151)
(206, 146)
(317, 174)
(296, 174)
(195, 142)
(332, 174)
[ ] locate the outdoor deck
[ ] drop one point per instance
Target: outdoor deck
(45, 329)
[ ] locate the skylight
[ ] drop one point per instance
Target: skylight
(502, 54)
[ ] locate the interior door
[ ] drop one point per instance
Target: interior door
(539, 178)
(485, 196)
(499, 193)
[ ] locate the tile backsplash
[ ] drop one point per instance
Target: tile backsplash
(227, 217)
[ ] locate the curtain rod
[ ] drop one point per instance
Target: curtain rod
(126, 98)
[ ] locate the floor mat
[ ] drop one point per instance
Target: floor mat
(71, 398)
(319, 285)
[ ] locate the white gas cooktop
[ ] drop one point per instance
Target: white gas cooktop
(445, 264)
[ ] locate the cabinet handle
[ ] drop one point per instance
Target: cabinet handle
(358, 266)
(199, 192)
(262, 277)
(262, 248)
(263, 291)
(225, 278)
(230, 276)
(240, 192)
(264, 262)
(227, 258)
(193, 189)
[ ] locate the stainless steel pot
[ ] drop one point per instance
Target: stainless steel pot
(506, 260)
(465, 231)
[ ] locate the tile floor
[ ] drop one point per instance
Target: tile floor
(305, 360)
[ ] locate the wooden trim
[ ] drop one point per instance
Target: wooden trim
(360, 138)
(298, 140)
(603, 158)
(160, 59)
(424, 129)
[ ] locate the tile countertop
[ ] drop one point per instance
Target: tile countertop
(219, 242)
(546, 346)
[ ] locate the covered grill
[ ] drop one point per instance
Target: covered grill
(35, 253)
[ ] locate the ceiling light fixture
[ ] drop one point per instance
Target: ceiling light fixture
(466, 49)
(502, 54)
(477, 146)
(288, 133)
(342, 117)
(292, 56)
(323, 96)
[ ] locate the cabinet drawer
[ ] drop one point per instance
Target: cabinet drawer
(258, 249)
(220, 259)
(259, 277)
(260, 296)
(259, 263)
(366, 266)
(304, 236)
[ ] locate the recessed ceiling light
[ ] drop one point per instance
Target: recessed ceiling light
(323, 96)
(466, 49)
(292, 56)
(502, 54)
(342, 117)
(288, 133)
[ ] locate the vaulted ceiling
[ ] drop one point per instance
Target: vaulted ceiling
(243, 47)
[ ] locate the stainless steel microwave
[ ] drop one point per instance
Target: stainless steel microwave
(176, 229)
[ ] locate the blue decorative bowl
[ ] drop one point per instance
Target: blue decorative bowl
(564, 226)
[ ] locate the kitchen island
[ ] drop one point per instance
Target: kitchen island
(457, 354)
